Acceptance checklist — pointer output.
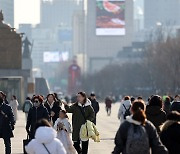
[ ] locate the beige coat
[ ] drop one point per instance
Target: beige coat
(14, 105)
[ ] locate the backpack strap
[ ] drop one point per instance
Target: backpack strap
(124, 107)
(46, 148)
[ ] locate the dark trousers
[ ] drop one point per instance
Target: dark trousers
(7, 142)
(84, 149)
(94, 121)
(108, 110)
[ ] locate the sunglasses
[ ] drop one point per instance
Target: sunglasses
(36, 101)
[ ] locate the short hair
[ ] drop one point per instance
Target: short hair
(39, 98)
(174, 115)
(92, 94)
(132, 99)
(140, 97)
(156, 100)
(127, 98)
(28, 98)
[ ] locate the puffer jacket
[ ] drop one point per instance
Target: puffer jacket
(156, 115)
(46, 136)
(170, 136)
(122, 110)
(154, 140)
(89, 130)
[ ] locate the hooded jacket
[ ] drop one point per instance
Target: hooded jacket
(47, 136)
(154, 141)
(156, 115)
(170, 136)
(77, 116)
(122, 110)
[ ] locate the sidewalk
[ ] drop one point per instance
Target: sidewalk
(107, 127)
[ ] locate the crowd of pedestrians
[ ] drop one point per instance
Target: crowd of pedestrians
(146, 127)
(47, 126)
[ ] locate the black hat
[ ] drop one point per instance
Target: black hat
(92, 94)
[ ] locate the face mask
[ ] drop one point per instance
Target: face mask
(36, 103)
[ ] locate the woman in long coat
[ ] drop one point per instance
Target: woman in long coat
(14, 105)
(81, 111)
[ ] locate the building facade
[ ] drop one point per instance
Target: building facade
(101, 45)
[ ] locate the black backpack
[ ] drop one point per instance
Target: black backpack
(127, 111)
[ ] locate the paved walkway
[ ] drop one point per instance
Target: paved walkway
(107, 127)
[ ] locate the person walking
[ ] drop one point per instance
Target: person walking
(37, 112)
(155, 112)
(27, 105)
(14, 105)
(167, 104)
(170, 133)
(176, 104)
(81, 112)
(7, 123)
(137, 135)
(45, 141)
(108, 103)
(53, 108)
(124, 109)
(95, 105)
(63, 128)
(4, 97)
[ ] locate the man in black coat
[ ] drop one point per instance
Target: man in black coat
(36, 113)
(7, 123)
(95, 105)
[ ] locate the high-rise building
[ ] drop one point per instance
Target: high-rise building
(161, 12)
(58, 12)
(106, 29)
(7, 6)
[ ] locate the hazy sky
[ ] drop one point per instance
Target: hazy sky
(27, 11)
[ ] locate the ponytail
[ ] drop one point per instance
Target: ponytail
(140, 116)
(138, 109)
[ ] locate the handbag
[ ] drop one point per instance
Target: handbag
(26, 142)
(46, 148)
